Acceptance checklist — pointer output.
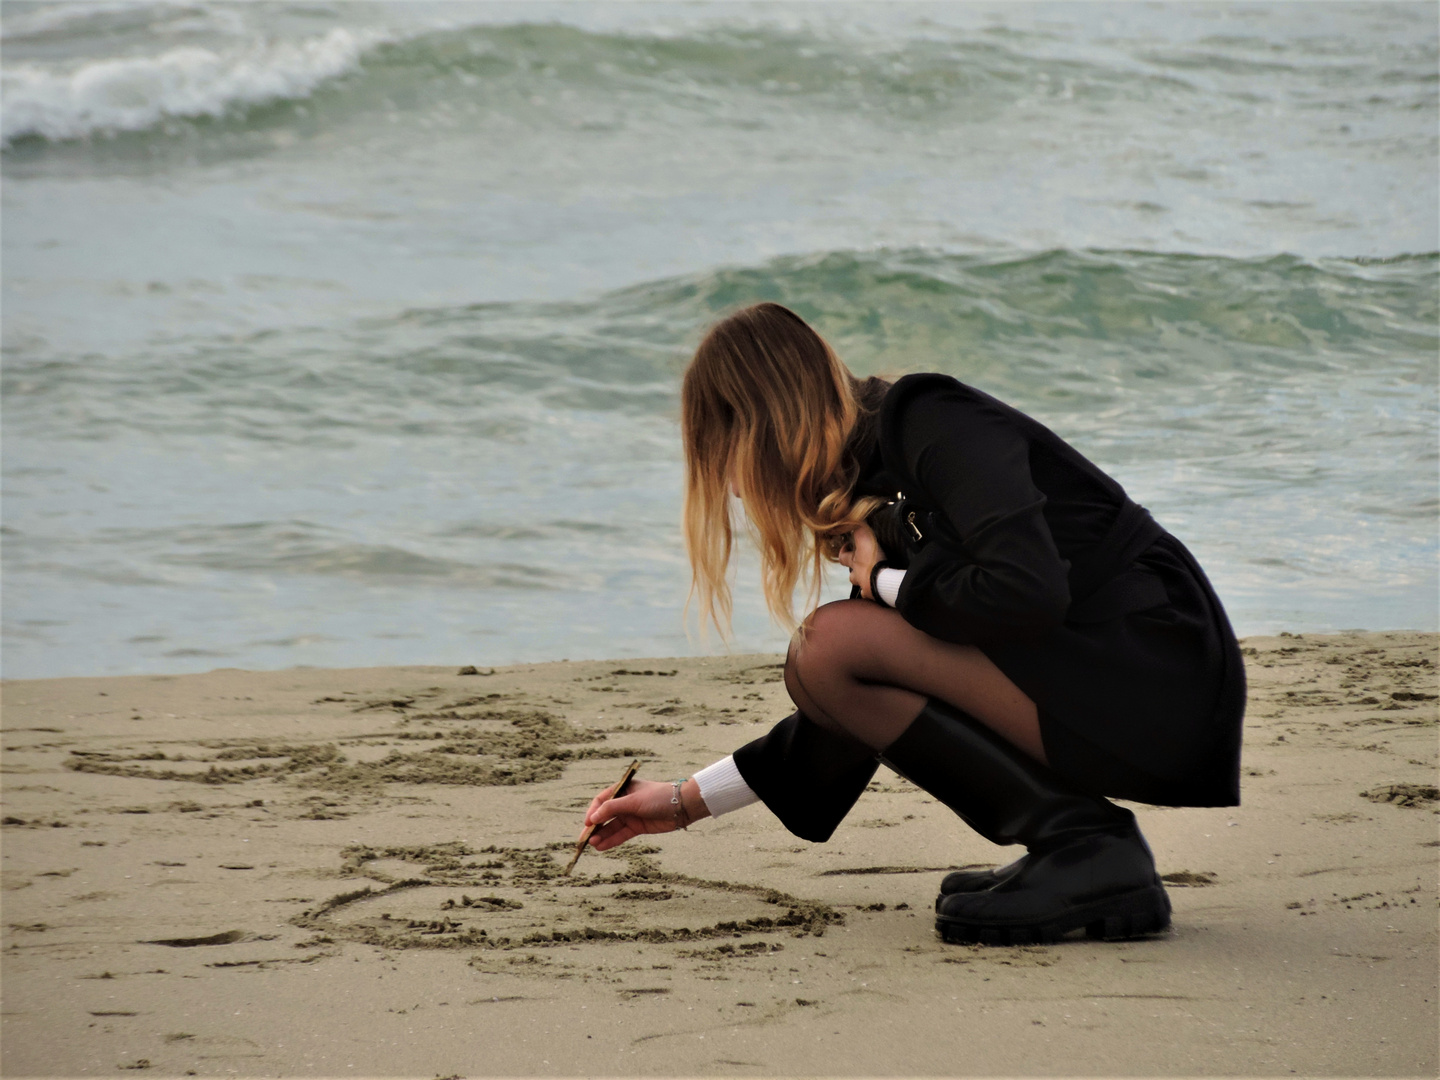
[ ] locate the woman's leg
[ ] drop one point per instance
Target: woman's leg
(860, 668)
(949, 720)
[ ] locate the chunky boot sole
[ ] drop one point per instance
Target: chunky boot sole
(1127, 915)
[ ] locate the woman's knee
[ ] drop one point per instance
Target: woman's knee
(828, 643)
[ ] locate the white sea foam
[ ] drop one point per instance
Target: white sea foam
(134, 93)
(65, 18)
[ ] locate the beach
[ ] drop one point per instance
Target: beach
(321, 872)
(341, 403)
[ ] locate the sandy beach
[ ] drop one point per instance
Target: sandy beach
(356, 872)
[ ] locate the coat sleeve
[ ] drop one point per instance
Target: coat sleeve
(998, 575)
(807, 776)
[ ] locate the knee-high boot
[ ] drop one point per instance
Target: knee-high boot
(1087, 866)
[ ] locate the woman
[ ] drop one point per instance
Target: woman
(1027, 642)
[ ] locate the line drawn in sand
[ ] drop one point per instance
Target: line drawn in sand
(423, 901)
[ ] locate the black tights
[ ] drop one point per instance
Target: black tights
(859, 669)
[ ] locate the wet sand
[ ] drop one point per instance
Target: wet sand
(356, 873)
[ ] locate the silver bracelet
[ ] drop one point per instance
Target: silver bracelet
(682, 819)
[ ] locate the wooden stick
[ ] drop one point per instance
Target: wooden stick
(590, 829)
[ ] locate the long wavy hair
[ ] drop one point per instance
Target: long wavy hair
(768, 408)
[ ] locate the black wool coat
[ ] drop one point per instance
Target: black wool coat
(1037, 557)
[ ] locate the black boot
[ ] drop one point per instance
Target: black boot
(958, 881)
(1088, 866)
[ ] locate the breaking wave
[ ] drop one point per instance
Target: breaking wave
(190, 81)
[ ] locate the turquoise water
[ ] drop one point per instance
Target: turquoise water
(350, 334)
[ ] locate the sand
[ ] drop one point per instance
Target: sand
(354, 872)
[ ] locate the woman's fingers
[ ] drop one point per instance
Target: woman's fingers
(867, 548)
(627, 805)
(634, 802)
(644, 808)
(614, 833)
(860, 553)
(596, 803)
(622, 827)
(604, 809)
(865, 555)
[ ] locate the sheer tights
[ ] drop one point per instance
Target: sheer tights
(860, 669)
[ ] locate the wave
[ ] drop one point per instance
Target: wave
(909, 306)
(532, 69)
(190, 81)
(1094, 328)
(515, 68)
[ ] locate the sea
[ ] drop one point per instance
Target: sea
(350, 334)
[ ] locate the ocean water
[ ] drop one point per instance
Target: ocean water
(348, 334)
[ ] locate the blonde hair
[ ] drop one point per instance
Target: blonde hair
(768, 406)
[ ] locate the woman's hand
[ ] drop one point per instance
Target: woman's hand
(860, 556)
(644, 808)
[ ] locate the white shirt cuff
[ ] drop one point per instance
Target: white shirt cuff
(723, 788)
(887, 584)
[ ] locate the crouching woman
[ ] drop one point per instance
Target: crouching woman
(1022, 639)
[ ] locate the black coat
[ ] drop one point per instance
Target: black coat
(1038, 558)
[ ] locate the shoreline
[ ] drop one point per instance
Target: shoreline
(353, 872)
(613, 660)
